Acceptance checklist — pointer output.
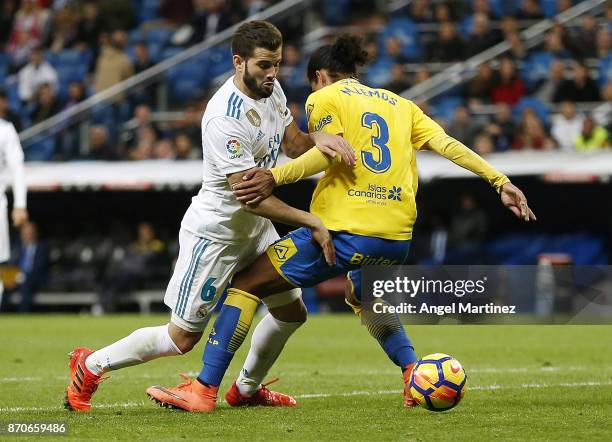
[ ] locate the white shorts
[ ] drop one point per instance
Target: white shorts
(202, 272)
(5, 246)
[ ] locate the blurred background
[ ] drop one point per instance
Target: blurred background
(108, 96)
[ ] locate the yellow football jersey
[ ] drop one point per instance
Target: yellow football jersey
(377, 197)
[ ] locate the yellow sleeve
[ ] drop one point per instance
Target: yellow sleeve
(307, 164)
(322, 112)
(423, 127)
(463, 156)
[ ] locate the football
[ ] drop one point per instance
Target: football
(438, 382)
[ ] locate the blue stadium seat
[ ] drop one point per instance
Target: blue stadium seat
(219, 61)
(541, 109)
(549, 7)
(406, 32)
(158, 35)
(605, 70)
(537, 67)
(40, 150)
(186, 81)
(148, 10)
(378, 73)
(170, 52)
(155, 51)
(445, 107)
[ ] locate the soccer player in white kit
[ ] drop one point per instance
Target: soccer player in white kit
(246, 123)
(11, 160)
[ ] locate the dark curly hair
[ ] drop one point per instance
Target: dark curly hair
(340, 59)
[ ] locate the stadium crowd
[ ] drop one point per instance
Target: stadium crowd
(55, 53)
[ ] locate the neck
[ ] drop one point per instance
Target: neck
(239, 83)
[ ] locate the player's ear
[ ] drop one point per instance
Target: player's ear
(238, 62)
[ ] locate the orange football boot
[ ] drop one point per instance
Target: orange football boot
(83, 383)
(262, 397)
(408, 399)
(190, 396)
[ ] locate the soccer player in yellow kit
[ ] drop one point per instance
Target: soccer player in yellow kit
(369, 209)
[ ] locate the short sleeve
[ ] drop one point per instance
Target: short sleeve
(227, 143)
(423, 127)
(323, 114)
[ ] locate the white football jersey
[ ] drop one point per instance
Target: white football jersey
(11, 164)
(238, 133)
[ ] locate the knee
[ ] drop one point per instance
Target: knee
(184, 340)
(294, 313)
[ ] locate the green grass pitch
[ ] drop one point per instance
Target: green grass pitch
(525, 383)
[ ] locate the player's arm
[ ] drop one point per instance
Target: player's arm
(427, 134)
(14, 159)
(257, 183)
(295, 143)
(276, 210)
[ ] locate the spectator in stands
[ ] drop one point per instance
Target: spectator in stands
(399, 83)
(554, 45)
(132, 135)
(564, 5)
(68, 137)
(47, 104)
(145, 261)
(7, 14)
(448, 46)
(176, 12)
(603, 112)
(463, 127)
(592, 136)
(393, 49)
(32, 257)
(478, 89)
(113, 64)
(35, 73)
(482, 7)
(145, 142)
(142, 62)
(566, 127)
(483, 144)
(29, 27)
(530, 10)
(420, 11)
(185, 150)
(91, 26)
(210, 18)
(190, 123)
(469, 224)
(482, 36)
(546, 90)
(510, 87)
(291, 75)
(502, 129)
(442, 13)
(100, 147)
(64, 27)
(580, 88)
(602, 43)
(164, 150)
(532, 134)
(585, 37)
(7, 114)
(421, 75)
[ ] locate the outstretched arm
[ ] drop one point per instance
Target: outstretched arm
(458, 153)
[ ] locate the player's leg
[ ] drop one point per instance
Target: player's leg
(148, 343)
(387, 329)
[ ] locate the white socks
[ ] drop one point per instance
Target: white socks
(268, 340)
(143, 345)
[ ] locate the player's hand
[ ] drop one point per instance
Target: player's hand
(515, 200)
(321, 236)
(20, 216)
(256, 185)
(332, 145)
